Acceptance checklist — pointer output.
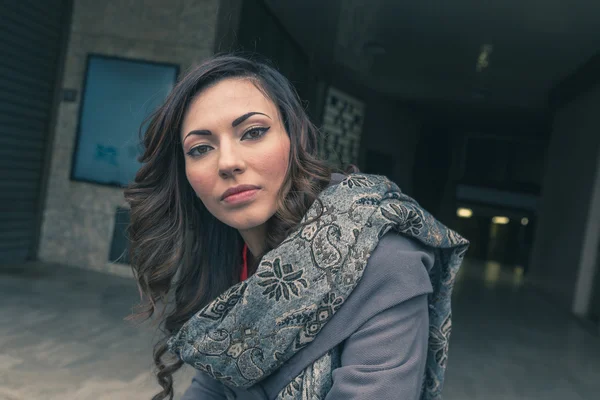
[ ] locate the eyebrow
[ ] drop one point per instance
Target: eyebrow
(234, 123)
(244, 117)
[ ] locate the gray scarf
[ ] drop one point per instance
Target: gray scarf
(255, 326)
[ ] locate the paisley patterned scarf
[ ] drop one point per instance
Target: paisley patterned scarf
(255, 326)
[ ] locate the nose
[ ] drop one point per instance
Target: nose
(231, 161)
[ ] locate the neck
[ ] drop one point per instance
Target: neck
(256, 239)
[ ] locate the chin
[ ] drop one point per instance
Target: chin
(246, 221)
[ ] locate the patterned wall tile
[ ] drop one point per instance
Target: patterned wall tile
(342, 126)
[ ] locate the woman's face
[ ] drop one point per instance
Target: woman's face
(236, 152)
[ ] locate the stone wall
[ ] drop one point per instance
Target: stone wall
(79, 217)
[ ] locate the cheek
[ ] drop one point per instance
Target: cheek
(274, 162)
(200, 181)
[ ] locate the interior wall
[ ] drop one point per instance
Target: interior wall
(433, 166)
(390, 129)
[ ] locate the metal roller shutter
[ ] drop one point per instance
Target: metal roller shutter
(32, 39)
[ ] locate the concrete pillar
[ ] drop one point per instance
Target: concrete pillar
(588, 263)
(568, 230)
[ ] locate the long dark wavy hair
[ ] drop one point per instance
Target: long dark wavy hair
(182, 256)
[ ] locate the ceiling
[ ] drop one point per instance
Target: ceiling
(428, 50)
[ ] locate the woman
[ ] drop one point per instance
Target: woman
(257, 251)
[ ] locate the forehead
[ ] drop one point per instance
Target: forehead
(227, 100)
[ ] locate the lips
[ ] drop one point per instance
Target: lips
(238, 189)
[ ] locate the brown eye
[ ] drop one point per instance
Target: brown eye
(254, 133)
(199, 151)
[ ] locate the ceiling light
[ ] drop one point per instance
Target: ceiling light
(500, 220)
(483, 60)
(524, 221)
(464, 213)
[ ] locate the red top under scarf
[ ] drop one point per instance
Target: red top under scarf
(244, 274)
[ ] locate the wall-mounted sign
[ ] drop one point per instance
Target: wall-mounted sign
(118, 95)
